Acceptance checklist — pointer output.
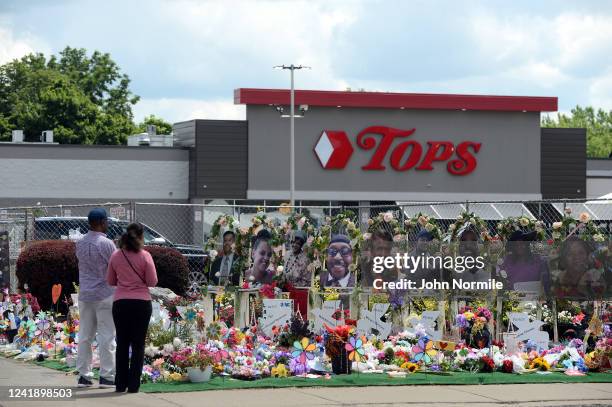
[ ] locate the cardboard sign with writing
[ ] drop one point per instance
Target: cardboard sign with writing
(275, 313)
(529, 330)
(324, 315)
(371, 323)
(428, 320)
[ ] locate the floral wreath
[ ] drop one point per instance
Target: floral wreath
(245, 237)
(425, 222)
(583, 227)
(317, 248)
(506, 227)
(223, 222)
(463, 222)
(387, 222)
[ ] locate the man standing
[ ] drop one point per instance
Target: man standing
(224, 267)
(95, 301)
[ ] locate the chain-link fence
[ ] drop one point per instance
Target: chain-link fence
(186, 227)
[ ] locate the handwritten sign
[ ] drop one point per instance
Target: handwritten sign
(371, 323)
(275, 313)
(428, 321)
(324, 315)
(529, 330)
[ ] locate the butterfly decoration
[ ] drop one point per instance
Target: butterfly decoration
(424, 351)
(303, 350)
(355, 347)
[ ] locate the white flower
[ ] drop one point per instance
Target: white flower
(584, 217)
(167, 349)
(150, 351)
(452, 227)
(524, 222)
(301, 222)
(557, 225)
(177, 343)
(213, 254)
(370, 221)
(217, 274)
(280, 269)
(503, 273)
(556, 235)
(397, 238)
(251, 278)
(388, 216)
(367, 236)
(598, 237)
(429, 227)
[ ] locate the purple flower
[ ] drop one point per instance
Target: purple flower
(296, 367)
(461, 321)
(396, 299)
(435, 368)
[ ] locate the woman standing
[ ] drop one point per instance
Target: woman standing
(132, 271)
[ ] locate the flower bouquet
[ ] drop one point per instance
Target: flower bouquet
(335, 348)
(473, 325)
(196, 360)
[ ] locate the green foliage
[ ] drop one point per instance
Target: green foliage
(162, 126)
(83, 99)
(598, 124)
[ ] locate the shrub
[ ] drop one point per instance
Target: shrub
(45, 263)
(42, 264)
(172, 268)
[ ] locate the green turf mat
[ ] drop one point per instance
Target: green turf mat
(218, 383)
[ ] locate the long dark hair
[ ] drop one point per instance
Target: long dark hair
(131, 239)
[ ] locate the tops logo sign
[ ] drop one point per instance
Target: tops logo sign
(334, 149)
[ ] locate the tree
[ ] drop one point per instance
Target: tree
(162, 126)
(84, 100)
(597, 123)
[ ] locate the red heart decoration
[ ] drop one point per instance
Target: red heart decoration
(56, 290)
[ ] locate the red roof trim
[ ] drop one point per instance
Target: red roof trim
(249, 96)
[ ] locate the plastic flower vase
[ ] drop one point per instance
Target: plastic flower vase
(341, 363)
(197, 375)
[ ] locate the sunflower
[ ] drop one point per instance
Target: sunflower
(540, 364)
(410, 367)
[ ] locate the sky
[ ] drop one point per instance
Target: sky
(185, 57)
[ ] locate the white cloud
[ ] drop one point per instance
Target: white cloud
(177, 110)
(12, 47)
(600, 92)
(247, 39)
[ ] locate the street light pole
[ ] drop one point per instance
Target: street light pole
(292, 68)
(292, 149)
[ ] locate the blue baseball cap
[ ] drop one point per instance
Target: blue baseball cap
(97, 214)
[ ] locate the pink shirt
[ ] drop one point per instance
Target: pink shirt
(131, 285)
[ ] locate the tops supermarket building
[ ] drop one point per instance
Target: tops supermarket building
(349, 147)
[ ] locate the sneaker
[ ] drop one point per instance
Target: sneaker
(105, 383)
(84, 382)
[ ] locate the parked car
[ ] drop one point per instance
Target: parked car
(66, 227)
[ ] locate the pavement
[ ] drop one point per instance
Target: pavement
(16, 373)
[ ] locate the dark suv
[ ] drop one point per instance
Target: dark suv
(55, 228)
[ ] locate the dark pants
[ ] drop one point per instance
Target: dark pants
(131, 322)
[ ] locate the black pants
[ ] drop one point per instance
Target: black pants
(131, 322)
